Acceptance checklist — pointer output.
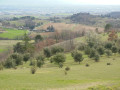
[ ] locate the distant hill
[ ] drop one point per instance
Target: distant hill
(83, 18)
(114, 15)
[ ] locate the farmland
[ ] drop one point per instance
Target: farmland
(12, 33)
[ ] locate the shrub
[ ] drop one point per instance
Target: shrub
(73, 53)
(26, 57)
(60, 65)
(10, 63)
(97, 57)
(81, 47)
(114, 49)
(87, 65)
(33, 70)
(56, 49)
(32, 62)
(92, 53)
(19, 48)
(38, 38)
(59, 58)
(101, 50)
(40, 61)
(108, 63)
(87, 50)
(47, 52)
(18, 58)
(67, 68)
(78, 57)
(108, 45)
(108, 53)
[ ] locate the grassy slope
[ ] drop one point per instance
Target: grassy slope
(12, 33)
(51, 76)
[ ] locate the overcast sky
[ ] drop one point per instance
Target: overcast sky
(59, 2)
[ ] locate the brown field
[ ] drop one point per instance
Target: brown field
(64, 26)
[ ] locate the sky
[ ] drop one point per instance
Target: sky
(58, 2)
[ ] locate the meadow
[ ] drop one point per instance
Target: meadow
(50, 77)
(12, 33)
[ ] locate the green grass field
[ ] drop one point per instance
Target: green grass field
(51, 77)
(98, 76)
(12, 33)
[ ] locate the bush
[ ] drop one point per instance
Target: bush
(18, 58)
(81, 47)
(10, 63)
(87, 65)
(114, 49)
(38, 38)
(97, 58)
(40, 61)
(33, 70)
(87, 50)
(108, 63)
(59, 58)
(108, 45)
(33, 62)
(55, 50)
(67, 68)
(26, 57)
(19, 48)
(73, 53)
(92, 53)
(108, 53)
(60, 65)
(101, 50)
(78, 57)
(47, 52)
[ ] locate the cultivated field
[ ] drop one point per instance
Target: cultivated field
(12, 33)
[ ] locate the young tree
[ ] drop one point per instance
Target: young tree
(38, 38)
(10, 63)
(28, 47)
(114, 49)
(108, 53)
(47, 52)
(59, 58)
(87, 50)
(26, 57)
(108, 27)
(78, 57)
(56, 49)
(18, 48)
(40, 61)
(112, 36)
(33, 69)
(17, 58)
(101, 50)
(97, 57)
(92, 53)
(108, 45)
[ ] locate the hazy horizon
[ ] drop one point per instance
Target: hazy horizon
(56, 2)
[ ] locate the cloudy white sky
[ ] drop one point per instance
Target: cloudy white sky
(78, 2)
